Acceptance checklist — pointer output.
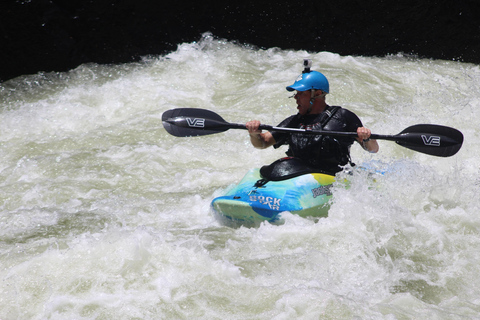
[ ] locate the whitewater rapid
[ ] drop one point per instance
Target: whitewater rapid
(106, 216)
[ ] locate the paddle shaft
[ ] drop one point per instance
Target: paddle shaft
(317, 132)
(223, 126)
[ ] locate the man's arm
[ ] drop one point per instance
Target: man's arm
(259, 139)
(368, 144)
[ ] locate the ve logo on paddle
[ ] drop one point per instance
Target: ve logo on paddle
(196, 122)
(431, 140)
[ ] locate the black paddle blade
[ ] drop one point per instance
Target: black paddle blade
(190, 122)
(431, 139)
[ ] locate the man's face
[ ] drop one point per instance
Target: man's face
(303, 101)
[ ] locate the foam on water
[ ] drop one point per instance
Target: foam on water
(105, 215)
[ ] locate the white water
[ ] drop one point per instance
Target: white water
(106, 216)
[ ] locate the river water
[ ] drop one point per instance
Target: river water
(106, 216)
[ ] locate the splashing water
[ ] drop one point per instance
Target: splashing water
(105, 215)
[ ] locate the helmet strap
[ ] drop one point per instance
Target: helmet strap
(312, 96)
(312, 99)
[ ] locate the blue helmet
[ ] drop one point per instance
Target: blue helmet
(310, 80)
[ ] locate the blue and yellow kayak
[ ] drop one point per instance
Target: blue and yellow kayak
(263, 194)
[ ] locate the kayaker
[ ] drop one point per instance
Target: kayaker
(326, 153)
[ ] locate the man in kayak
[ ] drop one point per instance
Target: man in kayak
(323, 152)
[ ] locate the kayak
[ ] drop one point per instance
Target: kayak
(263, 194)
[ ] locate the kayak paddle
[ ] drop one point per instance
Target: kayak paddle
(430, 139)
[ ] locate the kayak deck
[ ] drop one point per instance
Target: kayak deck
(254, 200)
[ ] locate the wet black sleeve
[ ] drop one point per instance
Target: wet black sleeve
(344, 120)
(281, 138)
(353, 122)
